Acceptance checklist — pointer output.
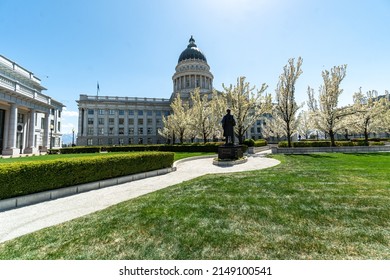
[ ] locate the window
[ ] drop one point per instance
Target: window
(131, 131)
(110, 141)
(110, 130)
(89, 141)
(121, 131)
(150, 141)
(131, 121)
(150, 121)
(140, 113)
(59, 126)
(111, 121)
(59, 114)
(158, 122)
(141, 131)
(90, 112)
(102, 112)
(140, 121)
(140, 140)
(158, 113)
(43, 123)
(20, 118)
(121, 112)
(90, 131)
(90, 120)
(150, 113)
(101, 131)
(131, 112)
(101, 121)
(121, 121)
(111, 112)
(150, 130)
(121, 141)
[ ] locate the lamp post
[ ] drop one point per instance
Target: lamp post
(72, 137)
(51, 136)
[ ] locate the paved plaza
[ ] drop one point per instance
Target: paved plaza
(17, 222)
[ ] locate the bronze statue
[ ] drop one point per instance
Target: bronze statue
(228, 123)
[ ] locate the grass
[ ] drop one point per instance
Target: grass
(322, 206)
(178, 156)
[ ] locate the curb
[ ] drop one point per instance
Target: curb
(191, 158)
(26, 200)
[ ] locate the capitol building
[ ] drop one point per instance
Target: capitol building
(121, 120)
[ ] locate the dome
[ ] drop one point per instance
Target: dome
(192, 52)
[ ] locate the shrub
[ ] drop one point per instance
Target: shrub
(30, 177)
(249, 142)
(193, 147)
(376, 143)
(261, 143)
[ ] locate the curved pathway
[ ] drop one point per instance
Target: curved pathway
(17, 222)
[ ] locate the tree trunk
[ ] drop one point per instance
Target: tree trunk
(366, 136)
(332, 140)
(288, 135)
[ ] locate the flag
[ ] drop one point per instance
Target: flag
(97, 88)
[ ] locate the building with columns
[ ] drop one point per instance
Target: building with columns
(30, 121)
(115, 120)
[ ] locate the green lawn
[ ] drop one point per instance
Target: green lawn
(321, 206)
(54, 157)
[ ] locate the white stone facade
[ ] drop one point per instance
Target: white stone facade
(30, 122)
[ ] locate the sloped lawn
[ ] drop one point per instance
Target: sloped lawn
(322, 206)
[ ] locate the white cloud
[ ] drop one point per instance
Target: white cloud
(69, 121)
(66, 113)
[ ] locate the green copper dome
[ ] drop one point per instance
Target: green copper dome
(192, 52)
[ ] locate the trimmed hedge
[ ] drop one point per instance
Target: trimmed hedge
(211, 147)
(31, 177)
(306, 144)
(261, 143)
(257, 143)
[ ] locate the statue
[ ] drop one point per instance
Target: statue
(228, 122)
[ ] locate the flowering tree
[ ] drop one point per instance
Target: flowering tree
(326, 113)
(167, 131)
(369, 112)
(305, 124)
(246, 105)
(273, 127)
(205, 114)
(286, 107)
(177, 123)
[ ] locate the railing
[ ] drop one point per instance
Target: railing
(18, 69)
(121, 99)
(23, 90)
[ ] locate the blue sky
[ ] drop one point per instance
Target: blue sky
(131, 46)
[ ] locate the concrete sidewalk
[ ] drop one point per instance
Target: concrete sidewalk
(20, 221)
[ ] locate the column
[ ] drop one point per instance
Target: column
(31, 149)
(46, 133)
(11, 148)
(80, 125)
(85, 122)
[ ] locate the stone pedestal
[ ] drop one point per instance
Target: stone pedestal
(230, 152)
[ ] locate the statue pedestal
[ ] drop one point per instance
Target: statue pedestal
(230, 152)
